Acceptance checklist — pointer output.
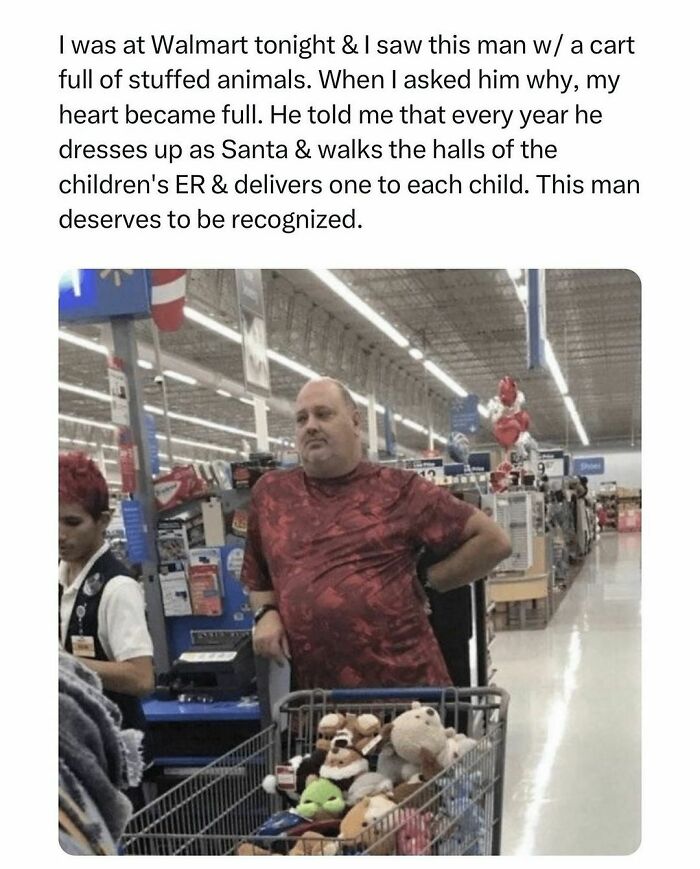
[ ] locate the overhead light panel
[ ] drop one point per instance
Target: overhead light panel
(224, 393)
(415, 353)
(213, 325)
(554, 368)
(85, 343)
(409, 423)
(297, 367)
(143, 363)
(347, 295)
(445, 378)
(183, 378)
(201, 444)
(80, 420)
(81, 390)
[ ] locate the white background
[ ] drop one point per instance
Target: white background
(653, 137)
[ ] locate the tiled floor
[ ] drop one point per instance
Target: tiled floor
(574, 744)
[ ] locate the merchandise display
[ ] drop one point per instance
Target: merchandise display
(291, 604)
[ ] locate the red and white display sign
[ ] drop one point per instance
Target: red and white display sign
(118, 391)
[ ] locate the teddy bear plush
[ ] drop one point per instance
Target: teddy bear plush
(328, 726)
(418, 728)
(357, 833)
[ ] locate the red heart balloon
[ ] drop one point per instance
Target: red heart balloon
(507, 390)
(506, 430)
(523, 418)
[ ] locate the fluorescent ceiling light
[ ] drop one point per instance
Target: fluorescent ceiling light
(345, 293)
(440, 439)
(409, 423)
(554, 368)
(79, 441)
(224, 393)
(80, 420)
(297, 367)
(79, 341)
(213, 325)
(483, 411)
(445, 378)
(81, 390)
(415, 353)
(183, 378)
(111, 462)
(398, 417)
(143, 363)
(515, 274)
(201, 444)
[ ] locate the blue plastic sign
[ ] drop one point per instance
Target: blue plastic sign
(480, 462)
(587, 466)
(151, 435)
(95, 295)
(389, 431)
(536, 318)
(464, 414)
(132, 516)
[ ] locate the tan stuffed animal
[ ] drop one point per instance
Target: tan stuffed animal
(357, 831)
(328, 726)
(309, 844)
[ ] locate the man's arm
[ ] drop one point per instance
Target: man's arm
(269, 637)
(485, 546)
(134, 676)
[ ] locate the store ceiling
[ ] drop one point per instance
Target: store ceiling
(470, 323)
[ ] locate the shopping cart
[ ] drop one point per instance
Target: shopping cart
(220, 807)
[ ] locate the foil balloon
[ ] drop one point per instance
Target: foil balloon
(507, 391)
(506, 430)
(458, 447)
(523, 418)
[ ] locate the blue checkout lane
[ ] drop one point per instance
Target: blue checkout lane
(246, 709)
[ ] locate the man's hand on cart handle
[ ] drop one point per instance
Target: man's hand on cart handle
(270, 639)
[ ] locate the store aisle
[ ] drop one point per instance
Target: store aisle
(574, 743)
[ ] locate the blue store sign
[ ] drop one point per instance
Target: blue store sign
(95, 295)
(134, 523)
(464, 414)
(587, 466)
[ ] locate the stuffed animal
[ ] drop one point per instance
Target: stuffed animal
(357, 832)
(457, 746)
(418, 728)
(328, 726)
(406, 790)
(393, 767)
(414, 833)
(309, 844)
(290, 779)
(321, 800)
(344, 761)
(367, 730)
(369, 784)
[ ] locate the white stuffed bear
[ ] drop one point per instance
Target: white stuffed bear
(419, 728)
(457, 746)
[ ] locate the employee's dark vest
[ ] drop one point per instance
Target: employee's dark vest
(89, 596)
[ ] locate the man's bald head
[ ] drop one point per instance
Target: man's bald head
(327, 428)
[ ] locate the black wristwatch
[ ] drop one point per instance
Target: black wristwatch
(260, 612)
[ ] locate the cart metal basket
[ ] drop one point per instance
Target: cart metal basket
(220, 807)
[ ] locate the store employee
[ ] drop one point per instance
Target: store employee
(331, 556)
(102, 615)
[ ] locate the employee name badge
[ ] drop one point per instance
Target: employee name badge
(286, 778)
(83, 647)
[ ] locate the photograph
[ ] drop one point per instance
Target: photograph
(350, 561)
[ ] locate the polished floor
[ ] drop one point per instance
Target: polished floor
(573, 766)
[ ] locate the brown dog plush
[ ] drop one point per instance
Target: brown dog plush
(358, 833)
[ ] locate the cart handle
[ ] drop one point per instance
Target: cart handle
(420, 693)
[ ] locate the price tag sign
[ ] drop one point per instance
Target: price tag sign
(431, 469)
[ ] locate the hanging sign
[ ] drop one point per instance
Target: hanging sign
(134, 527)
(251, 304)
(551, 463)
(95, 295)
(536, 318)
(464, 414)
(588, 466)
(480, 462)
(389, 431)
(118, 390)
(152, 441)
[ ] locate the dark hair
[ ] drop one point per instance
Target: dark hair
(80, 482)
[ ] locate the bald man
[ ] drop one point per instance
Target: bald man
(331, 556)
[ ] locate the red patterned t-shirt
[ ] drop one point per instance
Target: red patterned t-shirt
(340, 555)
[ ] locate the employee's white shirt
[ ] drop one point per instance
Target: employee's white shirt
(121, 616)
